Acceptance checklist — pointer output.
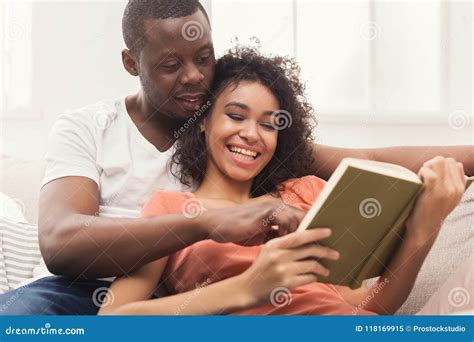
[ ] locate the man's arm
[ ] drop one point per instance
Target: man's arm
(327, 158)
(74, 241)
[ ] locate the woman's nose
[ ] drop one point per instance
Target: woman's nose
(249, 133)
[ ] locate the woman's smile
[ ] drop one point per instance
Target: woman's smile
(243, 156)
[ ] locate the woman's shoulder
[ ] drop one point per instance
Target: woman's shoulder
(165, 202)
(305, 189)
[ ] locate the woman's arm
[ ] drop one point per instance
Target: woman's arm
(393, 287)
(281, 262)
(137, 286)
(327, 158)
(131, 296)
(215, 299)
(445, 182)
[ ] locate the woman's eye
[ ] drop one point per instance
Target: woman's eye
(235, 117)
(268, 126)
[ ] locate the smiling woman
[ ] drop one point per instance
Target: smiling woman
(271, 107)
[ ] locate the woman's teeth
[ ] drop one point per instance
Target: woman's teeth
(241, 156)
(243, 153)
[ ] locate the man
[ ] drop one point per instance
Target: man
(105, 160)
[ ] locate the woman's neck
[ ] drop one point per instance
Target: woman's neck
(216, 185)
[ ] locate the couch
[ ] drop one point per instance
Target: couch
(20, 179)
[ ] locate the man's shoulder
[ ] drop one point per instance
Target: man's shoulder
(98, 115)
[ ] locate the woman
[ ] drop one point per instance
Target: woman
(257, 139)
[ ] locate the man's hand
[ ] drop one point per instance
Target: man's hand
(251, 224)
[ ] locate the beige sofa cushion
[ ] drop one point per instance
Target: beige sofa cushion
(21, 180)
(452, 248)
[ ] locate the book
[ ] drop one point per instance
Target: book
(366, 204)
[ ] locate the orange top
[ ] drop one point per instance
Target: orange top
(207, 261)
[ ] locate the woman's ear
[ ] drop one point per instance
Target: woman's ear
(202, 126)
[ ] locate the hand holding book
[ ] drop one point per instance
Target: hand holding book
(284, 263)
(444, 187)
(367, 204)
(444, 184)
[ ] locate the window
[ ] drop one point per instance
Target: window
(16, 59)
(364, 60)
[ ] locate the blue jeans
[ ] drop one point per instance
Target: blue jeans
(56, 295)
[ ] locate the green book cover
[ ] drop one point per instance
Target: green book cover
(366, 204)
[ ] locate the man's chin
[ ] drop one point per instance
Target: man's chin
(178, 114)
(184, 115)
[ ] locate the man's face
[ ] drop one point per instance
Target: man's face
(176, 65)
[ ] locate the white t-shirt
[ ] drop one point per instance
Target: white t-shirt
(102, 143)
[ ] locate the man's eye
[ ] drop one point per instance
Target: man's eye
(170, 66)
(235, 117)
(203, 59)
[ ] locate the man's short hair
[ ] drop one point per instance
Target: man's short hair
(137, 11)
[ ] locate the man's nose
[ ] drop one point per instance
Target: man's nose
(191, 75)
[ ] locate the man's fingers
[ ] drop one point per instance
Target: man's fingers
(257, 239)
(272, 234)
(286, 220)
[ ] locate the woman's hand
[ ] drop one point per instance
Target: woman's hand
(445, 184)
(283, 262)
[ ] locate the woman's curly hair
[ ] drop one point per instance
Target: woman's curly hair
(293, 154)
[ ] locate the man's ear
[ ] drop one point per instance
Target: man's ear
(129, 62)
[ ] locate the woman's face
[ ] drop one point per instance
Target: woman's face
(240, 135)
